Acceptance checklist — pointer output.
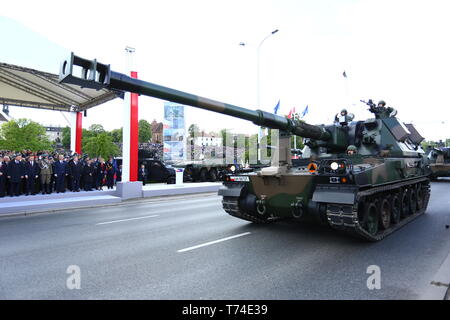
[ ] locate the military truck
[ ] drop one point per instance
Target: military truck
(439, 162)
(198, 170)
(157, 170)
(367, 178)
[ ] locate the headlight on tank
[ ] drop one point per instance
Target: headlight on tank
(334, 165)
(232, 168)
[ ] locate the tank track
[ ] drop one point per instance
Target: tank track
(231, 206)
(345, 217)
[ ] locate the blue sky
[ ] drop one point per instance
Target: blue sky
(391, 50)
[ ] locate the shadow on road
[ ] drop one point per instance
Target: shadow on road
(304, 232)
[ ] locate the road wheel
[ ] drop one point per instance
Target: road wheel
(213, 175)
(412, 200)
(385, 213)
(420, 197)
(396, 209)
(405, 204)
(203, 175)
(371, 217)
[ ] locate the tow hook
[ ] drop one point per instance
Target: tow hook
(297, 209)
(261, 206)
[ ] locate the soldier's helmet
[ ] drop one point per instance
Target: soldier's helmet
(344, 112)
(351, 149)
(381, 103)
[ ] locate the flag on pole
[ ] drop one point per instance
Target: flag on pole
(344, 74)
(304, 112)
(277, 107)
(291, 113)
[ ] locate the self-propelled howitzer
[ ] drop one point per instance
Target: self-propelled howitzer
(367, 178)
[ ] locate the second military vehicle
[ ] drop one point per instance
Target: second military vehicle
(367, 178)
(439, 162)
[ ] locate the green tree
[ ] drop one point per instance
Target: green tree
(23, 134)
(250, 148)
(299, 142)
(428, 144)
(193, 130)
(145, 131)
(101, 145)
(117, 135)
(66, 137)
(96, 129)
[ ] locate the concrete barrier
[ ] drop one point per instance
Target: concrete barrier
(24, 207)
(158, 190)
(72, 200)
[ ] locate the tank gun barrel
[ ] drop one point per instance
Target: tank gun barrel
(98, 76)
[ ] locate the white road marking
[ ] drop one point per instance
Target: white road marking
(115, 221)
(213, 242)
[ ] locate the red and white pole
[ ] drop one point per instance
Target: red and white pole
(134, 133)
(130, 128)
(78, 132)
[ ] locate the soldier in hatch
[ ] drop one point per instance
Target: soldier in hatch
(352, 150)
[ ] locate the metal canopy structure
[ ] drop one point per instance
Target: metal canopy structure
(24, 87)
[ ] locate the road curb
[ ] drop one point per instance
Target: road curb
(123, 203)
(439, 286)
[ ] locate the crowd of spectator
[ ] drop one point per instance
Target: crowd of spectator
(30, 173)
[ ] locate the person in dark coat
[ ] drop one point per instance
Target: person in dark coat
(88, 175)
(75, 171)
(15, 174)
(95, 174)
(60, 171)
(101, 173)
(2, 177)
(32, 171)
(142, 174)
(68, 179)
(119, 174)
(6, 161)
(110, 171)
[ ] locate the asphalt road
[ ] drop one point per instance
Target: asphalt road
(190, 248)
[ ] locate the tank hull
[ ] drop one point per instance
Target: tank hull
(390, 191)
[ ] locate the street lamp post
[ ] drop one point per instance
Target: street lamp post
(258, 51)
(258, 97)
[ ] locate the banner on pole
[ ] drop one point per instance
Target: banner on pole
(174, 132)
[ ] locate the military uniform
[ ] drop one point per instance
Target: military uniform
(46, 175)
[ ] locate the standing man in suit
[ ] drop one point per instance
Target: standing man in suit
(75, 170)
(31, 175)
(15, 174)
(101, 173)
(60, 172)
(95, 174)
(88, 175)
(119, 174)
(2, 177)
(110, 172)
(6, 161)
(142, 175)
